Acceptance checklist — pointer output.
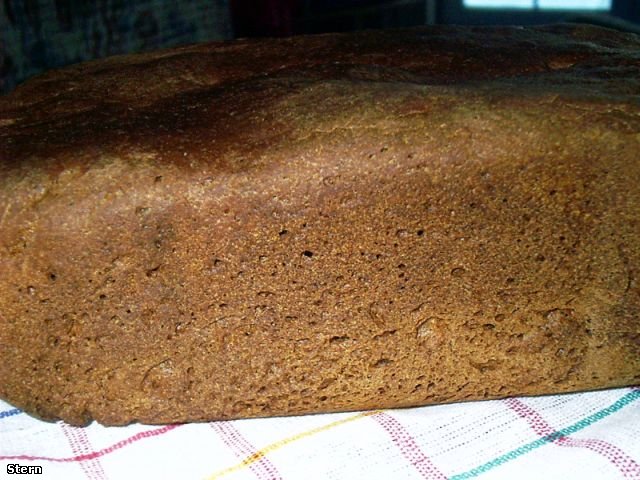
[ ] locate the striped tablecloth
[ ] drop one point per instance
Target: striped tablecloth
(580, 436)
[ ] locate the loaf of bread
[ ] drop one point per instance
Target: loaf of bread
(322, 223)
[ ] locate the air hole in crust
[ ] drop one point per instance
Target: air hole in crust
(382, 362)
(339, 339)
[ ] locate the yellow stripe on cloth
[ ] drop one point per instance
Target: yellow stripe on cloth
(286, 441)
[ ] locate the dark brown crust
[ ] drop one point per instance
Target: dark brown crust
(323, 223)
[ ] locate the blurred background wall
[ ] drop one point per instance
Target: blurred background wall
(36, 35)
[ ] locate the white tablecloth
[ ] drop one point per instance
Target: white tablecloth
(580, 436)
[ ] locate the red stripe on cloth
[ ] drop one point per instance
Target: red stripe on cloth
(99, 453)
(80, 445)
(242, 448)
(408, 446)
(627, 466)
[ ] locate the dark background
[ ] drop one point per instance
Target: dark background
(36, 35)
(290, 17)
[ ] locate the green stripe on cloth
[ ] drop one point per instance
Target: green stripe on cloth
(585, 422)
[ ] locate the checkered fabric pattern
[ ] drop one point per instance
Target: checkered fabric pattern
(579, 436)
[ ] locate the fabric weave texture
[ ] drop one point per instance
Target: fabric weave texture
(592, 435)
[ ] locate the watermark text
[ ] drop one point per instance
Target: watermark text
(14, 468)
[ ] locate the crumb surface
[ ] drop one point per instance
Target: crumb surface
(322, 223)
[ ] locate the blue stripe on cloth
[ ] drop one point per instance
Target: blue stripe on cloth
(585, 422)
(10, 413)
